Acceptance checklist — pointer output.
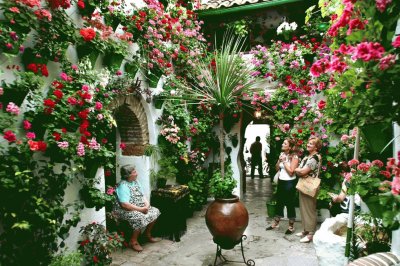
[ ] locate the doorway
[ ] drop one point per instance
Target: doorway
(252, 131)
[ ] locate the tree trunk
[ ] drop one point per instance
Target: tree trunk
(221, 144)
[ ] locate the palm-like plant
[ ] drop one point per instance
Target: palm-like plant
(222, 82)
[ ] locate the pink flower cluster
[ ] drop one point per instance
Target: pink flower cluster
(171, 133)
(382, 4)
(12, 108)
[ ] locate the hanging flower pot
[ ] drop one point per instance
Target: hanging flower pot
(113, 61)
(112, 21)
(158, 102)
(131, 68)
(377, 144)
(85, 8)
(153, 79)
(87, 51)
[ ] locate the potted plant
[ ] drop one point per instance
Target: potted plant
(271, 204)
(219, 81)
(226, 217)
(97, 244)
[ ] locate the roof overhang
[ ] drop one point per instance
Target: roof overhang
(223, 7)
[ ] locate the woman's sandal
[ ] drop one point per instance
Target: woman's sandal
(306, 239)
(273, 226)
(290, 230)
(136, 247)
(301, 234)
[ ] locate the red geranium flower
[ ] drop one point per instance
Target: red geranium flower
(10, 136)
(49, 103)
(58, 94)
(88, 34)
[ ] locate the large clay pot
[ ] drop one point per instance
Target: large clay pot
(227, 219)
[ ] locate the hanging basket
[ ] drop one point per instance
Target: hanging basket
(29, 57)
(112, 21)
(12, 95)
(153, 79)
(131, 68)
(87, 51)
(378, 135)
(158, 102)
(113, 61)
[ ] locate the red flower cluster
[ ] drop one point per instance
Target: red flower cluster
(36, 67)
(9, 136)
(87, 34)
(59, 3)
(37, 145)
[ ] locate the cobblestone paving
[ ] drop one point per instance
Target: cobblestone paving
(196, 247)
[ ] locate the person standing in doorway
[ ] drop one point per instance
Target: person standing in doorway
(256, 157)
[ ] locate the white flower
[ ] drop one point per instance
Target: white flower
(293, 25)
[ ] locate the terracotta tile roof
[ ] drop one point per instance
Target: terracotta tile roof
(213, 4)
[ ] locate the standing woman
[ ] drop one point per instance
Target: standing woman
(309, 166)
(286, 191)
(133, 207)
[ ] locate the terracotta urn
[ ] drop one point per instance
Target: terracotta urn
(227, 220)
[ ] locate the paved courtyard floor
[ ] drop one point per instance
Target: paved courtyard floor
(197, 248)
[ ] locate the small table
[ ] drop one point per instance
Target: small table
(173, 203)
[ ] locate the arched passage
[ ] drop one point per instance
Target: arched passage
(132, 126)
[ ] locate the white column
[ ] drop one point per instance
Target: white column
(396, 149)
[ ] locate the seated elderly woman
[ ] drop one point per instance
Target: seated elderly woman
(133, 207)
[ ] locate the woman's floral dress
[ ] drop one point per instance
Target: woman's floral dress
(136, 219)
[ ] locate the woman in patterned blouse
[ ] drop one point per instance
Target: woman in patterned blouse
(309, 166)
(133, 207)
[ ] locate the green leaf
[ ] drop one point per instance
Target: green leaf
(24, 225)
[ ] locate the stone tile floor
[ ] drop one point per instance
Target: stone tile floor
(196, 247)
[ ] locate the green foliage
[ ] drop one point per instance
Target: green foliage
(67, 259)
(94, 197)
(31, 208)
(222, 186)
(371, 235)
(198, 189)
(240, 27)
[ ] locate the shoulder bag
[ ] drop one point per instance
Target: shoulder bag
(309, 185)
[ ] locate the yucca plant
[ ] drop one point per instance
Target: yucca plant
(221, 81)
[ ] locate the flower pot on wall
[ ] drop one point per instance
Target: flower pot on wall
(378, 135)
(153, 79)
(87, 51)
(227, 220)
(113, 61)
(131, 68)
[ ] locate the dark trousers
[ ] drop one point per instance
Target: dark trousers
(258, 163)
(286, 195)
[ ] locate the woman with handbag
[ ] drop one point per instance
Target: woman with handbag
(308, 184)
(286, 191)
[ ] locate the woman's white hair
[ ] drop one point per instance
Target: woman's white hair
(126, 171)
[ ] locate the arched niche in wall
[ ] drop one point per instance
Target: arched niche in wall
(132, 126)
